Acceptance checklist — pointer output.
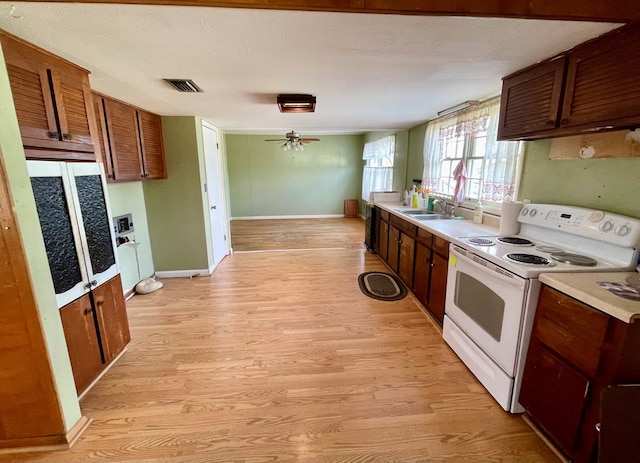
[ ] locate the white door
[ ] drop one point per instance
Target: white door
(215, 192)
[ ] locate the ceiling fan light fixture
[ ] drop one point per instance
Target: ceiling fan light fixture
(296, 103)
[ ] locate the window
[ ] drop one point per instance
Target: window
(462, 150)
(378, 170)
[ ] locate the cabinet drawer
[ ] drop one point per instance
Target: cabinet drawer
(384, 215)
(404, 226)
(573, 330)
(441, 246)
(425, 237)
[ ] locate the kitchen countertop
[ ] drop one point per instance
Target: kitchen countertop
(584, 287)
(449, 229)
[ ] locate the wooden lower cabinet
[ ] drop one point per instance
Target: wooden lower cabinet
(438, 286)
(575, 353)
(393, 253)
(78, 322)
(383, 243)
(422, 273)
(111, 314)
(96, 330)
(419, 258)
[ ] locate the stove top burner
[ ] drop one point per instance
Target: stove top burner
(549, 249)
(514, 240)
(481, 241)
(575, 259)
(530, 259)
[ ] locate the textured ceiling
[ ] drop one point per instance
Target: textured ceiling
(368, 72)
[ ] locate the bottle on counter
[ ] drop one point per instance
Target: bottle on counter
(478, 212)
(430, 200)
(414, 200)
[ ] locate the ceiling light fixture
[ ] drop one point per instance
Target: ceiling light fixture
(293, 145)
(459, 107)
(296, 103)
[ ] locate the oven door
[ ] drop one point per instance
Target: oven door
(486, 302)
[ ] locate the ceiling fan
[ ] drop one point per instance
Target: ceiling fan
(293, 141)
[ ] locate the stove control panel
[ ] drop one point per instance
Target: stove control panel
(604, 226)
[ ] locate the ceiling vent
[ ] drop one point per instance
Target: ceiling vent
(184, 85)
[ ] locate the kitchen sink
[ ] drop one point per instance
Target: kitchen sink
(415, 211)
(431, 216)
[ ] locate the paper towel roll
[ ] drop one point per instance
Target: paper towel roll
(509, 224)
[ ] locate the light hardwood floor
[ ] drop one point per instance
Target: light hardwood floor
(279, 357)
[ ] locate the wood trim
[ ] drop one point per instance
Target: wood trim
(622, 11)
(46, 443)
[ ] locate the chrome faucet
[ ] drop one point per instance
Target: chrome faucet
(442, 203)
(443, 207)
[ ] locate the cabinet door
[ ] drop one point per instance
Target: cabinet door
(438, 286)
(603, 82)
(422, 272)
(103, 139)
(96, 231)
(152, 148)
(406, 259)
(80, 333)
(394, 248)
(384, 240)
(124, 142)
(59, 225)
(531, 100)
(74, 107)
(111, 313)
(29, 81)
(554, 395)
(378, 223)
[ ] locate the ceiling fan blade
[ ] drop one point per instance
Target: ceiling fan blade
(308, 140)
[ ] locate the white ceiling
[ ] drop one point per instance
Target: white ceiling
(368, 72)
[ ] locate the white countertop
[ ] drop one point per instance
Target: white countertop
(584, 287)
(449, 229)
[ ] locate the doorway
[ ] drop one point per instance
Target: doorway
(215, 194)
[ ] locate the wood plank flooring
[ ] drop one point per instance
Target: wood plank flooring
(279, 357)
(260, 235)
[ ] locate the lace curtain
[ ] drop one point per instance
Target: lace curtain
(378, 171)
(502, 158)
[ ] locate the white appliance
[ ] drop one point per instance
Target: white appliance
(493, 287)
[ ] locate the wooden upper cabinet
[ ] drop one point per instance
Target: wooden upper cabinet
(531, 100)
(132, 140)
(603, 81)
(53, 103)
(594, 86)
(150, 126)
(124, 142)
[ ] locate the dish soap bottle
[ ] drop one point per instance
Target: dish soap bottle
(478, 212)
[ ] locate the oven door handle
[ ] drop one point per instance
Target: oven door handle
(499, 274)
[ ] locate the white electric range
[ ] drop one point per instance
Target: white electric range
(493, 287)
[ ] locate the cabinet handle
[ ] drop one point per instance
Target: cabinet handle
(88, 311)
(67, 136)
(53, 135)
(564, 121)
(141, 175)
(88, 285)
(100, 302)
(94, 283)
(146, 175)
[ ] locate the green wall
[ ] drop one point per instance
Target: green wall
(176, 205)
(610, 184)
(128, 198)
(264, 180)
(36, 256)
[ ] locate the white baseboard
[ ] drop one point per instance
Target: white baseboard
(183, 273)
(274, 217)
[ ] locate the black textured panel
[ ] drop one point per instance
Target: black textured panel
(57, 232)
(96, 222)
